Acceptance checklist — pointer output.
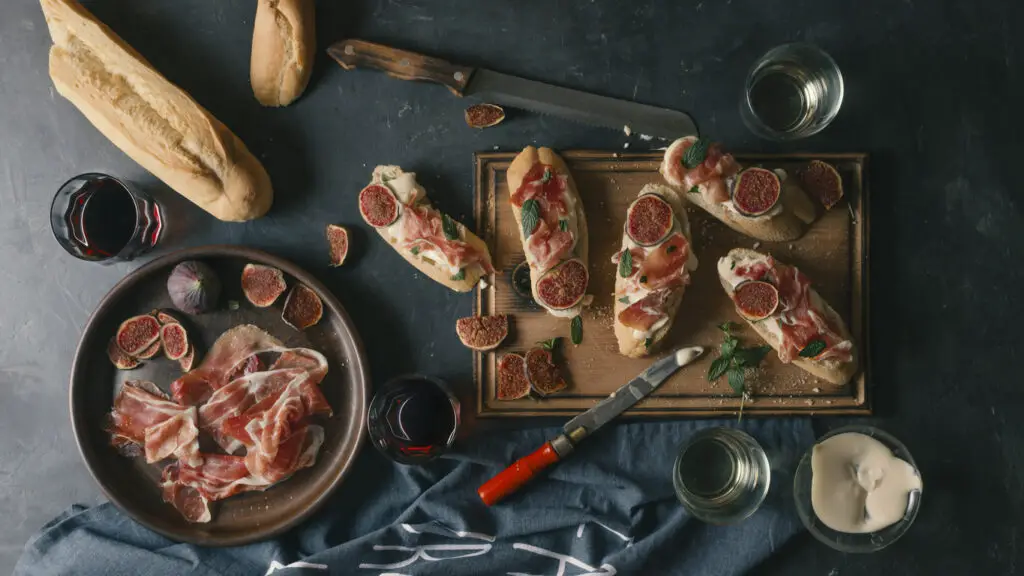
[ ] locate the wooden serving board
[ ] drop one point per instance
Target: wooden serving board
(833, 253)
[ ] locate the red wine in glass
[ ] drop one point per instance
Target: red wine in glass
(413, 419)
(99, 218)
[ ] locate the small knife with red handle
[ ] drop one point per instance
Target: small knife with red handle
(584, 425)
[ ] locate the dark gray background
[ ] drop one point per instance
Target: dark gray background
(933, 93)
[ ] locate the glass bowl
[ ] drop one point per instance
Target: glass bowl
(843, 541)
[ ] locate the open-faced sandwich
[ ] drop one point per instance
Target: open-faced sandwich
(765, 204)
(782, 307)
(654, 266)
(552, 227)
(436, 244)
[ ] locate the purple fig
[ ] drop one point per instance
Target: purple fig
(194, 287)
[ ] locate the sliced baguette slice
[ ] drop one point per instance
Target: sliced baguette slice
(631, 344)
(577, 224)
(831, 370)
(787, 224)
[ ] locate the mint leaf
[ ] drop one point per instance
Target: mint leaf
(460, 276)
(624, 299)
(547, 176)
(549, 344)
(563, 225)
(813, 348)
(531, 216)
(729, 346)
(725, 327)
(695, 189)
(626, 264)
(451, 230)
(576, 330)
(695, 155)
(415, 250)
(718, 367)
(737, 380)
(647, 342)
(751, 357)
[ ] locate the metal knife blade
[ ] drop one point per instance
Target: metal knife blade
(579, 106)
(630, 393)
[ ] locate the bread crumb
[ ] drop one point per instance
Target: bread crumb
(757, 245)
(646, 137)
(816, 390)
(626, 145)
(627, 130)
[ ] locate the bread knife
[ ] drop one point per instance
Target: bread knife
(584, 425)
(498, 88)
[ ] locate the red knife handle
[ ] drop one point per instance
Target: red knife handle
(515, 476)
(400, 64)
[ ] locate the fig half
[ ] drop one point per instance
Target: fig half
(756, 300)
(337, 242)
(378, 206)
(482, 332)
(302, 308)
(822, 181)
(544, 376)
(175, 340)
(563, 286)
(150, 352)
(119, 359)
(262, 285)
(512, 381)
(194, 287)
(137, 334)
(484, 115)
(188, 360)
(756, 191)
(649, 220)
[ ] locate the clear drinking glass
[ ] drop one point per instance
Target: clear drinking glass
(721, 475)
(791, 92)
(99, 218)
(413, 419)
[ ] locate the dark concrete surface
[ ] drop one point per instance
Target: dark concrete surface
(934, 92)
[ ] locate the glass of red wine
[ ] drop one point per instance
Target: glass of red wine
(100, 218)
(413, 419)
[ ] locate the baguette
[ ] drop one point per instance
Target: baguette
(637, 343)
(415, 247)
(837, 368)
(151, 120)
(283, 48)
(787, 221)
(575, 220)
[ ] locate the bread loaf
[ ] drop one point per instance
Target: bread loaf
(153, 121)
(283, 47)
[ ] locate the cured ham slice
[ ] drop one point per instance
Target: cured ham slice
(190, 489)
(710, 174)
(643, 314)
(422, 228)
(297, 451)
(143, 416)
(664, 266)
(551, 241)
(233, 347)
(547, 246)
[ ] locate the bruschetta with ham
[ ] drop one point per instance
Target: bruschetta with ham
(778, 301)
(553, 229)
(764, 204)
(653, 268)
(436, 244)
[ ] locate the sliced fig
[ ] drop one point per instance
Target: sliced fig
(512, 381)
(337, 241)
(150, 352)
(563, 286)
(544, 376)
(482, 332)
(119, 359)
(175, 340)
(194, 287)
(756, 300)
(484, 115)
(262, 285)
(649, 220)
(378, 205)
(164, 317)
(138, 333)
(822, 181)
(188, 360)
(302, 308)
(756, 191)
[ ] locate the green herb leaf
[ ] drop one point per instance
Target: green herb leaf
(626, 264)
(550, 344)
(696, 154)
(737, 379)
(733, 265)
(718, 367)
(813, 348)
(563, 225)
(694, 189)
(451, 230)
(415, 250)
(647, 342)
(671, 248)
(751, 357)
(531, 216)
(460, 276)
(233, 305)
(624, 299)
(643, 279)
(729, 346)
(547, 176)
(725, 327)
(576, 330)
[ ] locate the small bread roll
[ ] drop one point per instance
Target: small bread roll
(283, 45)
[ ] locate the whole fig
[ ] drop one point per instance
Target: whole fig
(194, 287)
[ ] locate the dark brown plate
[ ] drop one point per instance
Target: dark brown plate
(132, 484)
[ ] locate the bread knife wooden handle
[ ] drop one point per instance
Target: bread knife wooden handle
(517, 475)
(401, 64)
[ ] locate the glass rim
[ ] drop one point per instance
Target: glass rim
(96, 176)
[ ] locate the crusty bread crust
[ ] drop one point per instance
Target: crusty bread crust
(434, 271)
(516, 172)
(283, 49)
(629, 344)
(831, 370)
(151, 120)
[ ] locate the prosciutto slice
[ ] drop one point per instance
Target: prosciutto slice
(143, 416)
(548, 244)
(224, 360)
(644, 313)
(422, 228)
(190, 489)
(710, 175)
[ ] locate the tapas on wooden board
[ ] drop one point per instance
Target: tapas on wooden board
(834, 252)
